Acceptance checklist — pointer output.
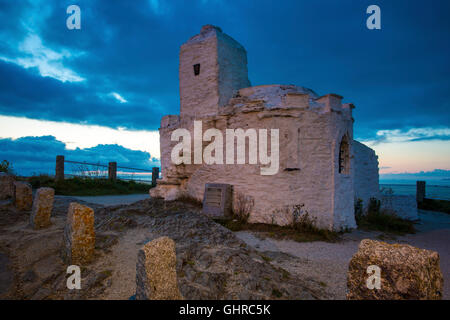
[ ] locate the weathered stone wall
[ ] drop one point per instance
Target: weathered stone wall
(223, 70)
(233, 73)
(403, 206)
(310, 132)
(343, 190)
(366, 182)
(306, 176)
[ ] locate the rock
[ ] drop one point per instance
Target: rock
(42, 208)
(79, 235)
(406, 272)
(6, 186)
(23, 196)
(156, 276)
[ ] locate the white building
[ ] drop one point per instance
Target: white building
(320, 165)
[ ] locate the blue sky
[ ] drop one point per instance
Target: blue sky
(109, 84)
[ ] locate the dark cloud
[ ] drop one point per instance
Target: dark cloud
(397, 77)
(36, 155)
(23, 92)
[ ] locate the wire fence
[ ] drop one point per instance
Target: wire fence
(68, 168)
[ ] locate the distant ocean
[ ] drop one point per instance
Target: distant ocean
(435, 188)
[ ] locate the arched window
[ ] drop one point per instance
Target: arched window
(344, 156)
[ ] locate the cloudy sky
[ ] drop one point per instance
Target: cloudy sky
(100, 92)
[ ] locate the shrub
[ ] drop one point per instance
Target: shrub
(302, 222)
(243, 207)
(6, 166)
(359, 209)
(381, 220)
(435, 205)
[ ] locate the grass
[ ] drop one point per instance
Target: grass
(88, 186)
(379, 220)
(281, 232)
(435, 205)
(302, 229)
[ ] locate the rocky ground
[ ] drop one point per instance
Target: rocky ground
(212, 262)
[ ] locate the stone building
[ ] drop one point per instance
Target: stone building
(320, 165)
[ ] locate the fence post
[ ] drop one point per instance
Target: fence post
(112, 171)
(420, 191)
(155, 175)
(59, 169)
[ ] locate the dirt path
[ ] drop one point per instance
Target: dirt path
(113, 200)
(122, 261)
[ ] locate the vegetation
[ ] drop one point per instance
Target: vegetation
(381, 220)
(243, 208)
(302, 229)
(6, 166)
(435, 205)
(77, 186)
(302, 222)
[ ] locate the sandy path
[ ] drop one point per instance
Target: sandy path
(122, 262)
(328, 262)
(113, 200)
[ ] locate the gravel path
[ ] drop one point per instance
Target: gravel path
(114, 200)
(328, 262)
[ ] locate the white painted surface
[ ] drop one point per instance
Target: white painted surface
(311, 129)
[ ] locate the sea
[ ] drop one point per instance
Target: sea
(435, 188)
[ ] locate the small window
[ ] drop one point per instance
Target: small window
(344, 156)
(197, 69)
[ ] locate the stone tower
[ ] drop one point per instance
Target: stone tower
(212, 67)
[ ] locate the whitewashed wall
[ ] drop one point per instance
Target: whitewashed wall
(366, 181)
(311, 129)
